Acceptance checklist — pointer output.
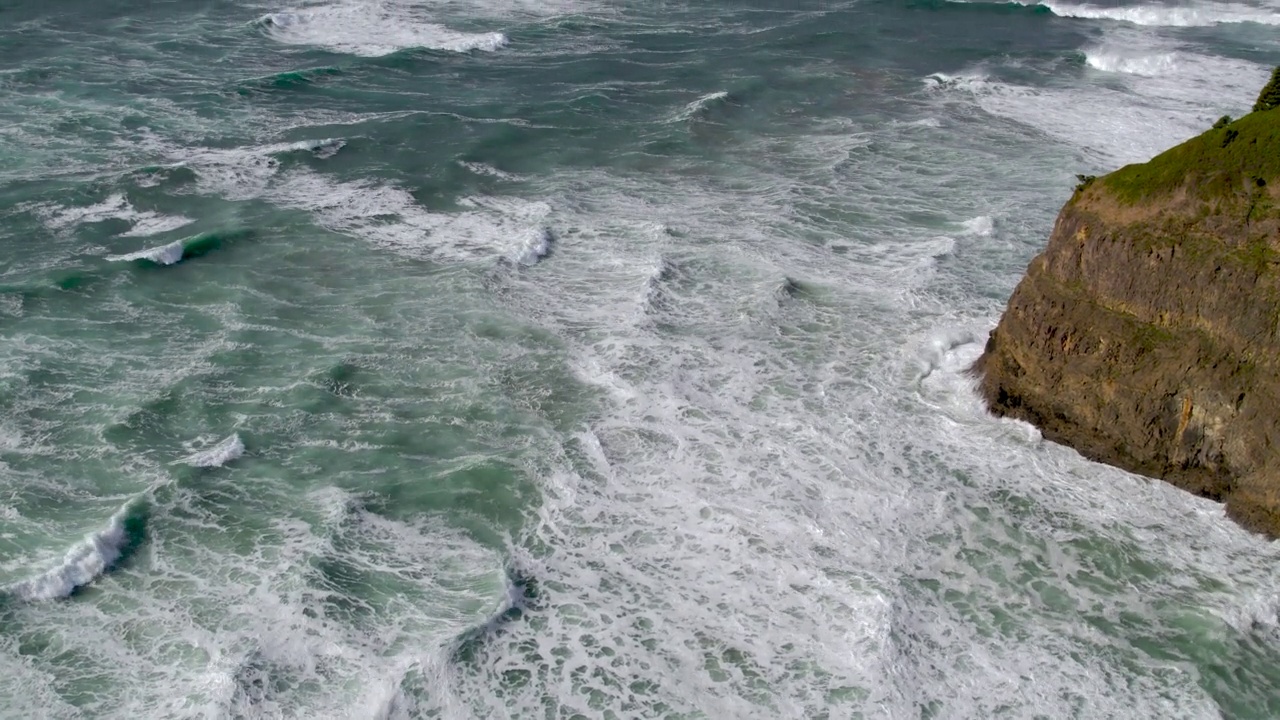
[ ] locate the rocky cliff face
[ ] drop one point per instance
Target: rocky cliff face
(1147, 334)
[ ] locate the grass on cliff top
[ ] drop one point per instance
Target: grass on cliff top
(1217, 165)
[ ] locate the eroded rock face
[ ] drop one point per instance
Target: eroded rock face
(1147, 334)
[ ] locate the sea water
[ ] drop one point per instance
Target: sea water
(583, 359)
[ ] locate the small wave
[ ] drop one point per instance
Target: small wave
(162, 255)
(88, 559)
(657, 293)
(533, 245)
(179, 250)
(370, 31)
(699, 107)
(323, 149)
(218, 455)
(793, 289)
(488, 170)
(1199, 15)
(156, 175)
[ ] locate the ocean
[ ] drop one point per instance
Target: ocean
(583, 359)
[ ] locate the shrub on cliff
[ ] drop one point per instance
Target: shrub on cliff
(1270, 95)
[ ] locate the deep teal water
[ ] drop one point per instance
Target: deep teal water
(462, 359)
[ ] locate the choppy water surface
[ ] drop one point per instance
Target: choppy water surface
(575, 359)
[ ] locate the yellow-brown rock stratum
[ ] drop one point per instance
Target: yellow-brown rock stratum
(1147, 334)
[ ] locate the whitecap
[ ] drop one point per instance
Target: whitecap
(218, 455)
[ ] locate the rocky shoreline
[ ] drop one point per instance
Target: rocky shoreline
(1147, 334)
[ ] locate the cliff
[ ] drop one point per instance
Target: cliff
(1147, 334)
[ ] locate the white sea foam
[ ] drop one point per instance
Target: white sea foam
(1116, 60)
(1162, 70)
(982, 226)
(385, 215)
(228, 449)
(371, 29)
(148, 224)
(768, 514)
(391, 218)
(1196, 14)
(114, 207)
(161, 255)
(245, 173)
(84, 562)
(1119, 125)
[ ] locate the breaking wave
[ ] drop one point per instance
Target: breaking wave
(179, 250)
(90, 558)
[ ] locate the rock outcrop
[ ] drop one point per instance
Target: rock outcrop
(1147, 334)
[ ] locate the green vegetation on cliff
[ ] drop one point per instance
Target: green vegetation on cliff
(1229, 163)
(1270, 96)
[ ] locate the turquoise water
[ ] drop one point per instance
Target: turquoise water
(460, 359)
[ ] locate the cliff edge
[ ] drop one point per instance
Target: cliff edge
(1147, 334)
